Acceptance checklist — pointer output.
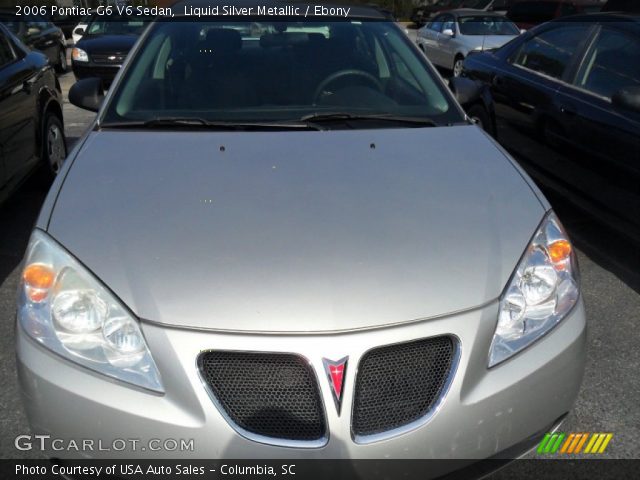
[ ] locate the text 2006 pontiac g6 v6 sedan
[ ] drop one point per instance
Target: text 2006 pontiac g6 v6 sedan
(286, 240)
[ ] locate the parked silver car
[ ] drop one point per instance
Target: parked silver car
(451, 36)
(297, 247)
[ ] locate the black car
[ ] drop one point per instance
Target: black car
(31, 125)
(571, 90)
(104, 46)
(38, 33)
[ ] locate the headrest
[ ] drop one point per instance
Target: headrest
(223, 40)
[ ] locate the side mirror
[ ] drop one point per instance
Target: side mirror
(87, 94)
(627, 98)
(447, 32)
(465, 90)
(79, 31)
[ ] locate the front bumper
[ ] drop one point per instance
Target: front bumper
(486, 411)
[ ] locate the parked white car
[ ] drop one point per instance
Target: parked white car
(450, 36)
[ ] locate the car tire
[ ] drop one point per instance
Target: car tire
(479, 114)
(62, 66)
(458, 65)
(54, 146)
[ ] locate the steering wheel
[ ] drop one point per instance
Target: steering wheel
(346, 73)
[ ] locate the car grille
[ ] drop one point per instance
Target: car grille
(398, 384)
(269, 394)
(109, 58)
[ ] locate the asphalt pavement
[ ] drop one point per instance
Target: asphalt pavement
(610, 270)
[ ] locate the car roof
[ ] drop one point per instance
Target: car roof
(357, 10)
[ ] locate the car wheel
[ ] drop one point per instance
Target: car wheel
(54, 145)
(481, 117)
(61, 66)
(458, 66)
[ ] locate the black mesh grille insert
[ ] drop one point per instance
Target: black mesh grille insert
(270, 394)
(398, 384)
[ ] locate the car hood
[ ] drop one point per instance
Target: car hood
(107, 43)
(296, 231)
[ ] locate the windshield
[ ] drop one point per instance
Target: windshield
(487, 25)
(101, 25)
(285, 71)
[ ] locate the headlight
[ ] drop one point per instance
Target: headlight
(64, 308)
(79, 55)
(543, 289)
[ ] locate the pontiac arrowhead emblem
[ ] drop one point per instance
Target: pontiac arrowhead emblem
(336, 370)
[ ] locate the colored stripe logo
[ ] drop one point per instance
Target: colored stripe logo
(574, 443)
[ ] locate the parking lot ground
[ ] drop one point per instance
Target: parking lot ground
(610, 270)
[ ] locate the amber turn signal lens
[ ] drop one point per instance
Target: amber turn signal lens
(559, 250)
(38, 276)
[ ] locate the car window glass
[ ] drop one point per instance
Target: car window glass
(222, 71)
(6, 52)
(550, 52)
(449, 24)
(436, 25)
(487, 25)
(612, 64)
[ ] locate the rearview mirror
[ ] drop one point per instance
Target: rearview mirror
(627, 98)
(79, 31)
(87, 94)
(465, 90)
(448, 32)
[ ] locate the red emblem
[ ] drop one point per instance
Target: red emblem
(336, 371)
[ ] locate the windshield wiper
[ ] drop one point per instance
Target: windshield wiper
(343, 116)
(201, 123)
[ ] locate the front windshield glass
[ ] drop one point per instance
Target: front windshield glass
(268, 72)
(115, 26)
(487, 25)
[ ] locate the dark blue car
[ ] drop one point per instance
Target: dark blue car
(571, 90)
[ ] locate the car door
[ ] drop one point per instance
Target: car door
(17, 111)
(534, 71)
(589, 118)
(447, 44)
(430, 39)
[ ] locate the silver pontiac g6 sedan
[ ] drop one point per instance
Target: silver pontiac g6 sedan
(286, 240)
